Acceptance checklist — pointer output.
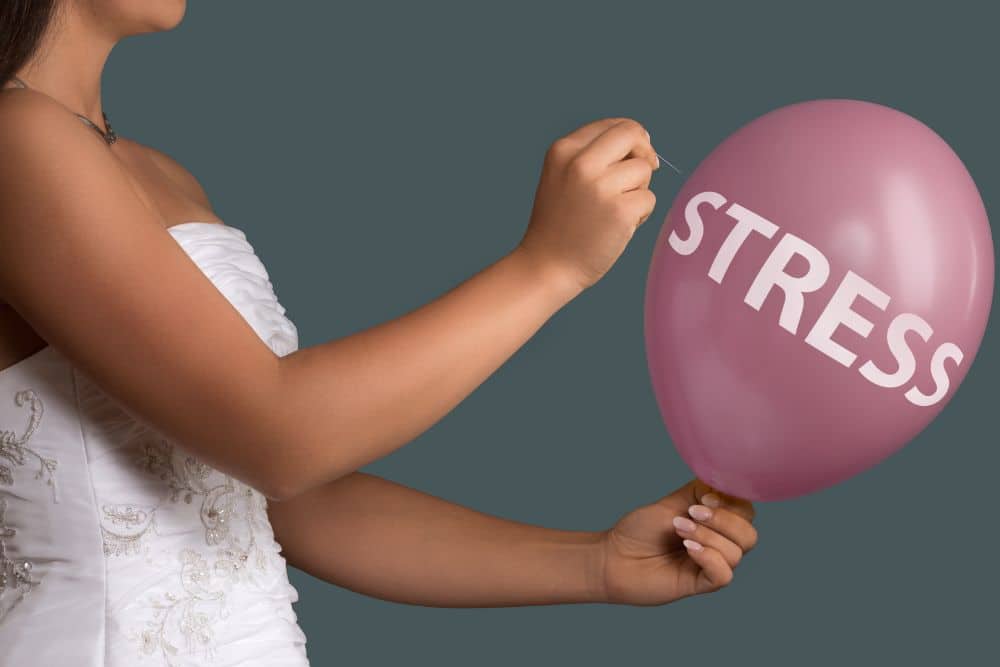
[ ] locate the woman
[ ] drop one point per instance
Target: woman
(166, 444)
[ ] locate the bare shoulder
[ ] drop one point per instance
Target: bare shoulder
(24, 114)
(176, 172)
(41, 143)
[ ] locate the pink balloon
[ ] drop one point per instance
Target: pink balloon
(817, 293)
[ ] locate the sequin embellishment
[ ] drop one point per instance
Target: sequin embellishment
(15, 573)
(16, 579)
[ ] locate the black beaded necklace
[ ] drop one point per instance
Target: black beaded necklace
(110, 137)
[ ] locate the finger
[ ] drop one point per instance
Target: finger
(696, 489)
(726, 522)
(619, 141)
(715, 572)
(628, 175)
(639, 203)
(584, 135)
(647, 153)
(688, 529)
(716, 498)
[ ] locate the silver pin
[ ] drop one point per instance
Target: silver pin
(669, 164)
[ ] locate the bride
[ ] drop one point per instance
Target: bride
(167, 449)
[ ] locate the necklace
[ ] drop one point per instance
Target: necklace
(110, 137)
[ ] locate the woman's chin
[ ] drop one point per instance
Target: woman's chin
(160, 15)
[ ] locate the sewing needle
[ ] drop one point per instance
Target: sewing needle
(669, 163)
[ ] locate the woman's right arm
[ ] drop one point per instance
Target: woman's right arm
(89, 266)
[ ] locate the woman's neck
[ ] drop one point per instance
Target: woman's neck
(70, 61)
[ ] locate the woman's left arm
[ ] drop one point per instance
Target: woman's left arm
(389, 541)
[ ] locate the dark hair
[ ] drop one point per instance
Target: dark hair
(22, 24)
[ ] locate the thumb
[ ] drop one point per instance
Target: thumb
(689, 494)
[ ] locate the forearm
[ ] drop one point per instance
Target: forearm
(392, 542)
(350, 401)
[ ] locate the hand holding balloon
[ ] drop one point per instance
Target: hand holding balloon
(685, 544)
(592, 195)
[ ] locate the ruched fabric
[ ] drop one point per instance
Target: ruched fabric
(227, 258)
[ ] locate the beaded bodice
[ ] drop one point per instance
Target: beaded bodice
(117, 545)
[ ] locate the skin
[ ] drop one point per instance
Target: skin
(299, 427)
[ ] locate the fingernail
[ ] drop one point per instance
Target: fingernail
(657, 160)
(711, 500)
(684, 524)
(648, 138)
(692, 545)
(700, 512)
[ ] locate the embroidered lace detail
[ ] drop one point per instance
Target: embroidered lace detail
(232, 516)
(129, 525)
(231, 512)
(15, 449)
(15, 573)
(190, 614)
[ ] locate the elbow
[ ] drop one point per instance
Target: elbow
(282, 484)
(277, 493)
(289, 459)
(267, 483)
(286, 489)
(287, 482)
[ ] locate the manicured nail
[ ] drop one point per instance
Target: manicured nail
(700, 512)
(684, 524)
(692, 545)
(711, 500)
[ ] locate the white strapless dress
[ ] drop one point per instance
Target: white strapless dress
(117, 547)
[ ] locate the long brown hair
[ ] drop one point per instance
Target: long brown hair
(22, 24)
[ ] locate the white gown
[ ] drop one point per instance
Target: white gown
(117, 547)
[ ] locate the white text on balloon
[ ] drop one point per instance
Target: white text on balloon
(837, 313)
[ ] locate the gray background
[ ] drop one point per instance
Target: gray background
(377, 154)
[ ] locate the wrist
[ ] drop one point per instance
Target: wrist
(594, 567)
(570, 565)
(558, 282)
(590, 555)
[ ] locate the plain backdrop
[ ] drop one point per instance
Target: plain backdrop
(376, 154)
